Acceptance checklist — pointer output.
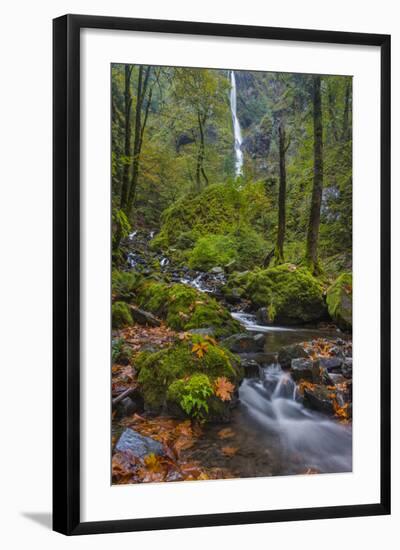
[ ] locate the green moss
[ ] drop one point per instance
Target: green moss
(218, 210)
(121, 352)
(159, 370)
(186, 308)
(292, 295)
(124, 284)
(339, 299)
(242, 247)
(121, 315)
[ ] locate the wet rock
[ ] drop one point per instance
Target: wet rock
(207, 331)
(243, 342)
(234, 296)
(217, 270)
(331, 364)
(144, 317)
(319, 398)
(263, 317)
(250, 366)
(138, 445)
(129, 406)
(288, 353)
(347, 367)
(305, 369)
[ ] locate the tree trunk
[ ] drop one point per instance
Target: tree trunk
(127, 136)
(346, 113)
(138, 133)
(316, 198)
(200, 156)
(279, 256)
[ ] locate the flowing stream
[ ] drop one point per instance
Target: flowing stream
(236, 128)
(272, 430)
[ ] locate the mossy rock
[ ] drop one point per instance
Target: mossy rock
(124, 284)
(186, 308)
(339, 298)
(291, 294)
(167, 375)
(121, 315)
(216, 210)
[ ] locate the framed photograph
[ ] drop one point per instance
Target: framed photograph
(221, 274)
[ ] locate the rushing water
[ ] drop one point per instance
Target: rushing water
(236, 128)
(273, 432)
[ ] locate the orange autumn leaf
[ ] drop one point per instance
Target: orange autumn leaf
(226, 433)
(152, 463)
(223, 388)
(230, 451)
(200, 349)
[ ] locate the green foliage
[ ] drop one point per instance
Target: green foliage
(186, 308)
(243, 248)
(124, 284)
(121, 315)
(192, 394)
(291, 294)
(339, 299)
(212, 250)
(220, 209)
(159, 370)
(121, 352)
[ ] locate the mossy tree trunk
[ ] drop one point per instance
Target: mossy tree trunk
(283, 146)
(140, 125)
(200, 172)
(346, 113)
(316, 198)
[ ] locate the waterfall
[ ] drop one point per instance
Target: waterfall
(236, 129)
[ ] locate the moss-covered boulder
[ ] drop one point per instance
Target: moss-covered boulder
(121, 315)
(186, 308)
(184, 378)
(216, 210)
(290, 294)
(339, 298)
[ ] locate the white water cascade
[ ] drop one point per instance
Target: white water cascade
(236, 128)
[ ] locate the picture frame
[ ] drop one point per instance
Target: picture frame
(67, 261)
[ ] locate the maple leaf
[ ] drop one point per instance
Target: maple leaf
(223, 388)
(225, 433)
(200, 349)
(229, 451)
(152, 463)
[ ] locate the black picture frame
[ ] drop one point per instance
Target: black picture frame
(66, 272)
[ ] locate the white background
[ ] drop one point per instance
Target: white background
(25, 216)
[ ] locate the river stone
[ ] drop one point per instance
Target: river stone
(128, 406)
(138, 445)
(305, 369)
(244, 342)
(217, 270)
(207, 331)
(331, 364)
(144, 317)
(347, 367)
(319, 398)
(263, 317)
(288, 353)
(250, 366)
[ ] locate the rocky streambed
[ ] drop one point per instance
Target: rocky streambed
(293, 407)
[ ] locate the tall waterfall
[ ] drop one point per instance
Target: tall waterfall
(236, 129)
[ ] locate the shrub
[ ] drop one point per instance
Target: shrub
(211, 251)
(192, 395)
(124, 284)
(121, 315)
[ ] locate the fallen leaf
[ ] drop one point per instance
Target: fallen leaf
(230, 451)
(223, 388)
(226, 433)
